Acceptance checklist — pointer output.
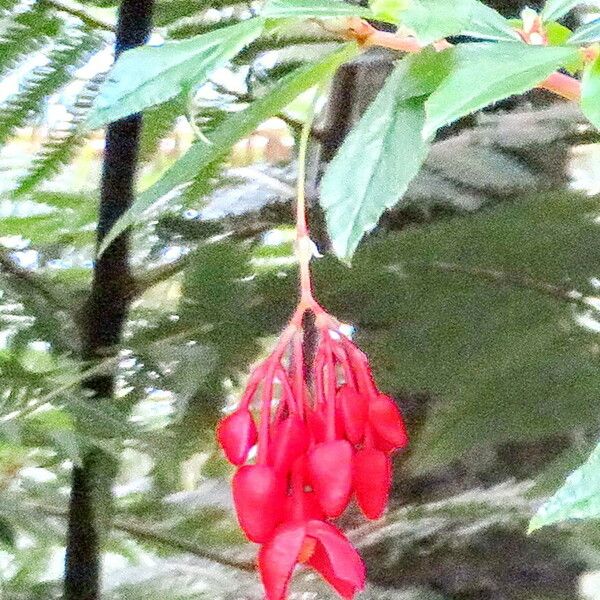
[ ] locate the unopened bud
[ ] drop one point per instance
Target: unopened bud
(306, 249)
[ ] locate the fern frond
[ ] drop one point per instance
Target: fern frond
(24, 32)
(6, 8)
(63, 142)
(158, 123)
(198, 25)
(67, 54)
(167, 12)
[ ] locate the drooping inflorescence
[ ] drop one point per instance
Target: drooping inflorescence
(306, 440)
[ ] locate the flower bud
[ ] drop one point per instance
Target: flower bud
(330, 469)
(259, 496)
(372, 478)
(354, 412)
(237, 434)
(387, 422)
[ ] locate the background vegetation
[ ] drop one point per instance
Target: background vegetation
(477, 302)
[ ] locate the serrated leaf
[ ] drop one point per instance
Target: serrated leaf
(578, 498)
(278, 9)
(380, 156)
(436, 19)
(484, 73)
(586, 34)
(236, 127)
(590, 93)
(146, 76)
(555, 9)
(388, 10)
(487, 23)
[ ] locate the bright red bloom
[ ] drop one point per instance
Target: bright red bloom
(237, 434)
(372, 478)
(354, 410)
(289, 440)
(323, 436)
(319, 545)
(330, 471)
(387, 421)
(258, 495)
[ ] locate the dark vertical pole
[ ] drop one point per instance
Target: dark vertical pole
(104, 316)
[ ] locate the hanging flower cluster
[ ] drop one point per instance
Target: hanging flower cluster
(325, 434)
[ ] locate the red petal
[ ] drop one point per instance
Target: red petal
(354, 410)
(289, 440)
(303, 505)
(278, 557)
(336, 559)
(382, 444)
(237, 434)
(258, 495)
(387, 421)
(316, 425)
(372, 480)
(330, 468)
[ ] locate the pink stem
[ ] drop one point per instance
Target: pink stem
(299, 373)
(265, 418)
(251, 386)
(360, 365)
(331, 385)
(288, 394)
(318, 370)
(562, 85)
(558, 83)
(342, 358)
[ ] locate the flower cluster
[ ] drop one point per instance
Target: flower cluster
(325, 434)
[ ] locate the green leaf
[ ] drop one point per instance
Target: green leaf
(487, 23)
(278, 9)
(484, 73)
(557, 34)
(553, 474)
(578, 498)
(436, 19)
(381, 155)
(590, 92)
(476, 312)
(388, 10)
(586, 34)
(555, 9)
(150, 75)
(238, 126)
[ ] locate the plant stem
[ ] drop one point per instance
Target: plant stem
(304, 245)
(102, 323)
(366, 35)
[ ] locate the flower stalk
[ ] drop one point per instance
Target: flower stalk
(320, 436)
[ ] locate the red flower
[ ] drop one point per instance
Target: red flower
(324, 434)
(319, 545)
(259, 496)
(330, 471)
(387, 422)
(354, 410)
(237, 434)
(371, 479)
(289, 440)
